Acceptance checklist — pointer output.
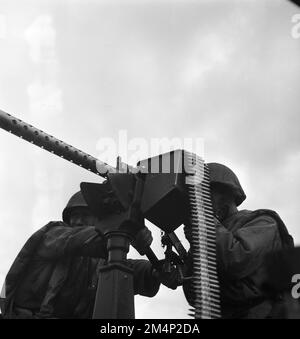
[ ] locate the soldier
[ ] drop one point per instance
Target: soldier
(55, 274)
(243, 239)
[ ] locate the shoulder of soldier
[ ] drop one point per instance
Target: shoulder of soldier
(246, 219)
(273, 217)
(36, 237)
(268, 220)
(265, 216)
(27, 251)
(56, 223)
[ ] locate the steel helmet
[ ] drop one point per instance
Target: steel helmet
(76, 200)
(221, 174)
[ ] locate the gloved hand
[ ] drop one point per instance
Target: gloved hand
(168, 279)
(142, 240)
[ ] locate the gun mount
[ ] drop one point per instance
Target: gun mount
(169, 190)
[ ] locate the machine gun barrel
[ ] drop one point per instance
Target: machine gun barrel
(53, 145)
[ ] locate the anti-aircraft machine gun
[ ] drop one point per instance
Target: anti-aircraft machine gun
(168, 190)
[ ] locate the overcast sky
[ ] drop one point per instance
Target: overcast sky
(225, 71)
